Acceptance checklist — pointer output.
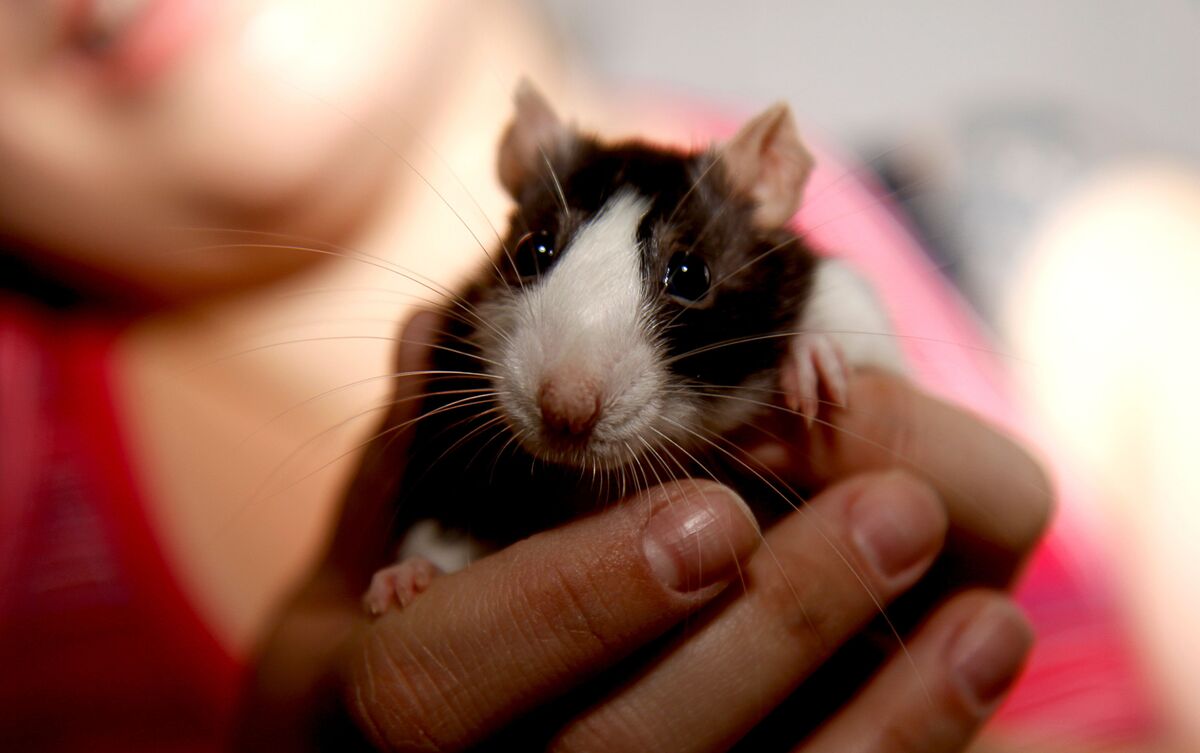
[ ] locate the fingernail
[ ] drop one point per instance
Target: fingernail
(698, 535)
(898, 525)
(989, 652)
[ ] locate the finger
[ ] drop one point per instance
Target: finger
(361, 540)
(998, 497)
(960, 664)
(822, 574)
(516, 629)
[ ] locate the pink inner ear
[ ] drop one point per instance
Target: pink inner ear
(767, 161)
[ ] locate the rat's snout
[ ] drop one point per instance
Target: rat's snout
(570, 405)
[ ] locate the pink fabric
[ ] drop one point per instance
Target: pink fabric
(1082, 684)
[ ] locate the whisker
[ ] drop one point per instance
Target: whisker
(501, 430)
(792, 333)
(809, 510)
(326, 338)
(558, 189)
(940, 479)
(497, 418)
(358, 123)
(368, 380)
(374, 261)
(457, 404)
(691, 391)
(691, 189)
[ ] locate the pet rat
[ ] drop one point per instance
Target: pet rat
(647, 301)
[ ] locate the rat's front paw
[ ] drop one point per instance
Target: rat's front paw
(399, 584)
(814, 365)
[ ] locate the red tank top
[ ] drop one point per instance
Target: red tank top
(99, 648)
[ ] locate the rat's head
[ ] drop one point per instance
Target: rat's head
(629, 271)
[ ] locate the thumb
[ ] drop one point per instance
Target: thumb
(520, 628)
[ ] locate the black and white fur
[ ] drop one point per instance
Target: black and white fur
(592, 376)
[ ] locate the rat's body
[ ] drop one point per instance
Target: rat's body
(649, 301)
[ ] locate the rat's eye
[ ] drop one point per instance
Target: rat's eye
(687, 278)
(534, 253)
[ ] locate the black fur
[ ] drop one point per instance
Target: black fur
(761, 277)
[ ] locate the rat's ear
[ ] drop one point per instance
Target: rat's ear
(767, 162)
(534, 136)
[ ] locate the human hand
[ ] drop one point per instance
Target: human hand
(531, 626)
(576, 639)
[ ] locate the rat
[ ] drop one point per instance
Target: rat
(646, 301)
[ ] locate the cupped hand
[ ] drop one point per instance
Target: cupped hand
(669, 622)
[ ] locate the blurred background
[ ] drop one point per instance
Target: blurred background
(980, 115)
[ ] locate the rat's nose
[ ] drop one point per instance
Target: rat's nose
(570, 406)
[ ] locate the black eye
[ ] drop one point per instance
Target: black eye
(687, 277)
(534, 253)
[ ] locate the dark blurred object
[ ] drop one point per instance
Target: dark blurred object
(978, 188)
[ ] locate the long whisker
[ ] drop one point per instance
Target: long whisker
(691, 189)
(513, 440)
(326, 338)
(466, 191)
(558, 189)
(864, 333)
(456, 404)
(368, 380)
(803, 234)
(692, 391)
(940, 479)
(358, 123)
(497, 417)
(398, 294)
(374, 261)
(807, 509)
(501, 429)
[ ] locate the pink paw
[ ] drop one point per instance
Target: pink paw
(399, 584)
(814, 364)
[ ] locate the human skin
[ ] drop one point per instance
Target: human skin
(103, 188)
(543, 623)
(261, 117)
(191, 204)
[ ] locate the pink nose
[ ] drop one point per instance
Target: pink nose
(570, 407)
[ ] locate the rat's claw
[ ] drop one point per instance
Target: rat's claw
(835, 374)
(399, 584)
(814, 362)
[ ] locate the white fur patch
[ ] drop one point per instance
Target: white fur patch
(844, 307)
(586, 320)
(451, 551)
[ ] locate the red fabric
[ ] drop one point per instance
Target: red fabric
(99, 648)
